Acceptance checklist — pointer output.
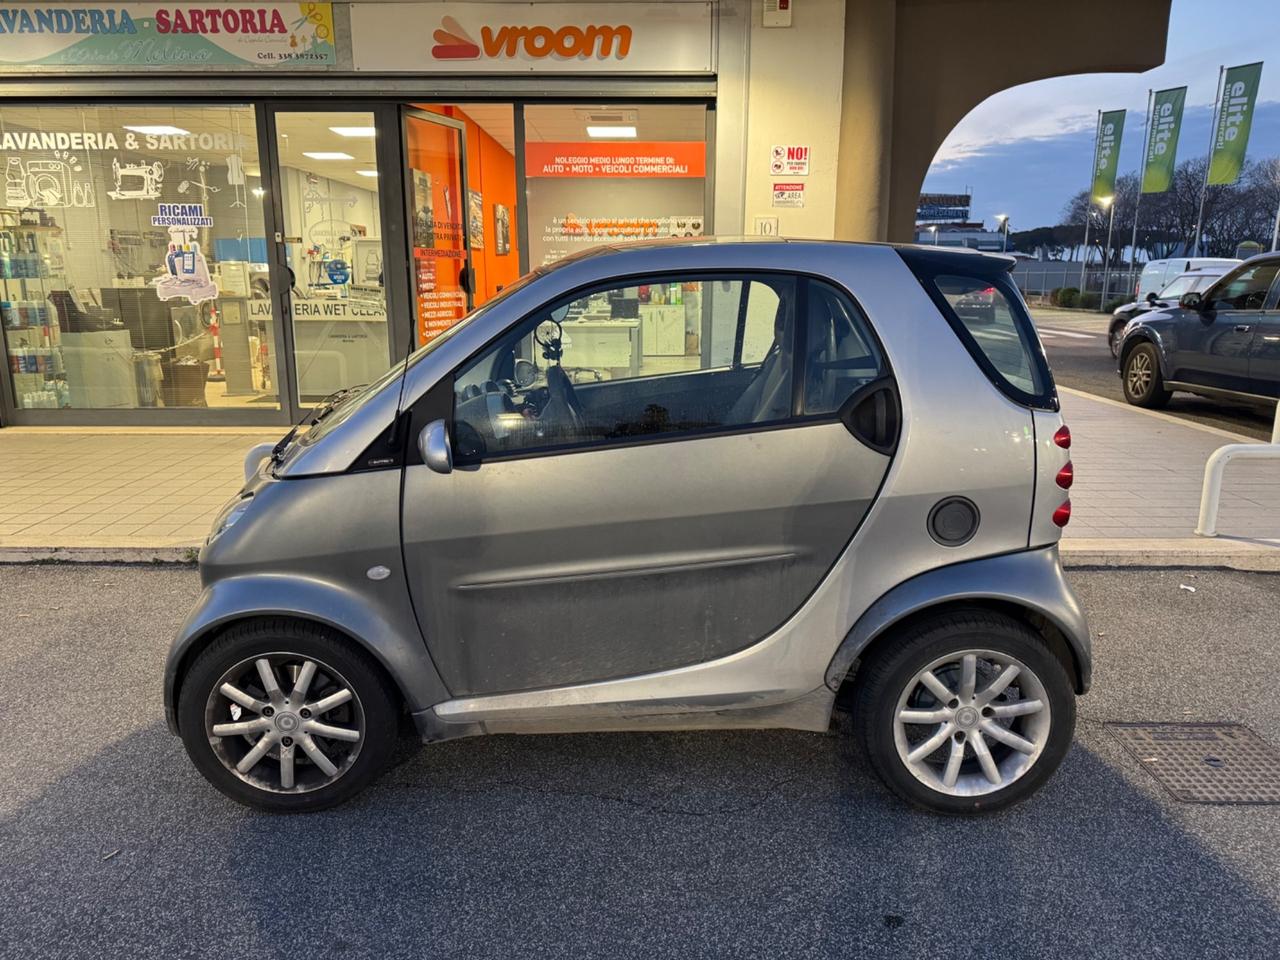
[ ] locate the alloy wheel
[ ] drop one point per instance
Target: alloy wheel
(1139, 373)
(971, 723)
(284, 723)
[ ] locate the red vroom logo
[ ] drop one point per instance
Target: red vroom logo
(536, 42)
(453, 43)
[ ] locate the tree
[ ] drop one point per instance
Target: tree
(1042, 242)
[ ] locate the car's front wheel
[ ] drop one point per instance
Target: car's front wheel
(965, 712)
(287, 716)
(1142, 379)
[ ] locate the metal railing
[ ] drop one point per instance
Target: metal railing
(1211, 493)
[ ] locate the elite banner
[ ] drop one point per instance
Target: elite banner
(1235, 118)
(1106, 154)
(1162, 139)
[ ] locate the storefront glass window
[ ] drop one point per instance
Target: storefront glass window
(133, 258)
(605, 174)
(333, 242)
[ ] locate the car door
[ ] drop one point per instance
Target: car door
(1264, 352)
(568, 546)
(1213, 345)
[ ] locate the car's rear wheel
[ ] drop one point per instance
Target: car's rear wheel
(965, 712)
(1142, 379)
(287, 716)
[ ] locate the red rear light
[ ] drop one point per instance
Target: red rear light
(1063, 437)
(1062, 516)
(1066, 476)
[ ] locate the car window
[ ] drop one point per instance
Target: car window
(1246, 289)
(1204, 283)
(618, 362)
(840, 354)
(1177, 288)
(988, 315)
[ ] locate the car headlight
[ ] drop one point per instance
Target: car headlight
(229, 516)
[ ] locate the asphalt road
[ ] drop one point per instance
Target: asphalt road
(1076, 344)
(743, 844)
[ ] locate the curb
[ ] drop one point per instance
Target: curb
(184, 556)
(1254, 556)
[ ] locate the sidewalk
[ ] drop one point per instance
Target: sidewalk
(118, 487)
(1137, 489)
(1138, 474)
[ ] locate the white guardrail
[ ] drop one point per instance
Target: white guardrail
(1216, 465)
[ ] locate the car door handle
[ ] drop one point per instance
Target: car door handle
(1243, 327)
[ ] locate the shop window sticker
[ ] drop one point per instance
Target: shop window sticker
(186, 275)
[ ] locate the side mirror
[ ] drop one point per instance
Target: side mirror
(1151, 297)
(525, 373)
(1192, 301)
(434, 446)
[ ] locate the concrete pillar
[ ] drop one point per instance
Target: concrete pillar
(866, 120)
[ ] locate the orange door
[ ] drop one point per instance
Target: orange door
(437, 207)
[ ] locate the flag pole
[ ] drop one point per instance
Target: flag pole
(1137, 200)
(1088, 203)
(1208, 161)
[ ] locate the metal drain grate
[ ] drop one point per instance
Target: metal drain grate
(1205, 762)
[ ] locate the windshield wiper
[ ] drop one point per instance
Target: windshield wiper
(278, 450)
(317, 413)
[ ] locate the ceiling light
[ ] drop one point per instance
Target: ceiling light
(258, 192)
(616, 132)
(327, 155)
(355, 131)
(367, 173)
(160, 130)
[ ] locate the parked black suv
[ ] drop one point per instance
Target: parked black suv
(1224, 342)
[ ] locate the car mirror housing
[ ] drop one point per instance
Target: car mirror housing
(1192, 301)
(1151, 297)
(434, 447)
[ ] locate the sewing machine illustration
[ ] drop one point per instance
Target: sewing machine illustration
(187, 271)
(136, 181)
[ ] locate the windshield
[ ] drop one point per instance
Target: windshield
(347, 405)
(1177, 287)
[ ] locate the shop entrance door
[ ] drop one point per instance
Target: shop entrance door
(332, 244)
(438, 213)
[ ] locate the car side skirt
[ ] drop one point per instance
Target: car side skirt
(1219, 393)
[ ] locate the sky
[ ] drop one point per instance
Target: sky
(1025, 151)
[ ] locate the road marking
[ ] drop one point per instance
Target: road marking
(1068, 333)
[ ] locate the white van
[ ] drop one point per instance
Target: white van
(1157, 274)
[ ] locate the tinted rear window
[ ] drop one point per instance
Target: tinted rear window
(979, 300)
(986, 313)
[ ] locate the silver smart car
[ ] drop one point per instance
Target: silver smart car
(662, 486)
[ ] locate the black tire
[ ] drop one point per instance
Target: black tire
(880, 684)
(1149, 392)
(373, 692)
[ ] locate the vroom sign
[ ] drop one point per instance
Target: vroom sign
(527, 38)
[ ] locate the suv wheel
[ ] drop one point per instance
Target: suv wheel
(1142, 379)
(965, 712)
(287, 716)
